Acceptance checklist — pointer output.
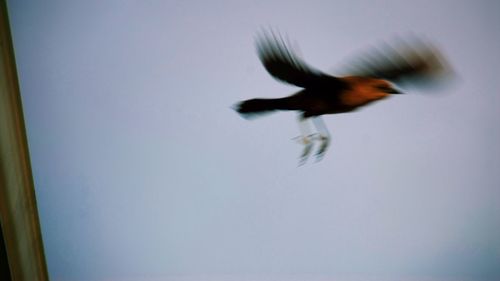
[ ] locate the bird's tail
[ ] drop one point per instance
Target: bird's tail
(256, 107)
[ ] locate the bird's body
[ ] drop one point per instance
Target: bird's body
(325, 94)
(349, 95)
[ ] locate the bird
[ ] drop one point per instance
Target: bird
(371, 78)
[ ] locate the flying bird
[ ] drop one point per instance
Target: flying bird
(372, 78)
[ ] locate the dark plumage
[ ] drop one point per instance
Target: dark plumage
(369, 80)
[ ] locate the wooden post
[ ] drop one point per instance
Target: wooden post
(18, 208)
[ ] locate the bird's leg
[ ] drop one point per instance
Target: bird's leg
(305, 138)
(323, 136)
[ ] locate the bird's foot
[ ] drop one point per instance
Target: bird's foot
(324, 143)
(307, 142)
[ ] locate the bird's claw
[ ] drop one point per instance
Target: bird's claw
(325, 142)
(308, 142)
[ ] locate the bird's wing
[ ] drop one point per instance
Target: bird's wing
(283, 64)
(420, 62)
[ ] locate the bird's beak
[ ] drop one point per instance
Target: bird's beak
(393, 91)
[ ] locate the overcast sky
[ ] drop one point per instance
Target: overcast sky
(143, 171)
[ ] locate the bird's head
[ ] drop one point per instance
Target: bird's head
(362, 90)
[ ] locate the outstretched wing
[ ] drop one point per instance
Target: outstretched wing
(417, 62)
(283, 64)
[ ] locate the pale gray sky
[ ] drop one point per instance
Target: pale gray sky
(143, 172)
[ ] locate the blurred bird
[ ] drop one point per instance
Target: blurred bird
(369, 80)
